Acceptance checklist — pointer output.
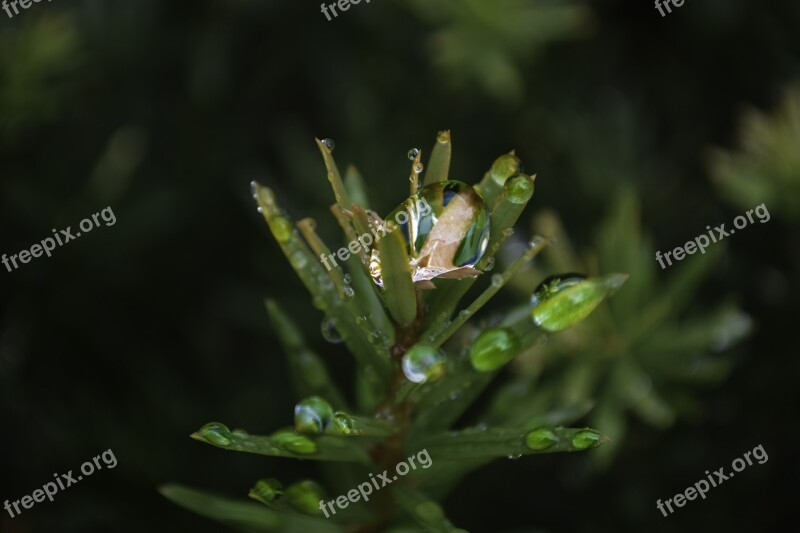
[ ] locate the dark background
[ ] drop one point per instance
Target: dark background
(133, 336)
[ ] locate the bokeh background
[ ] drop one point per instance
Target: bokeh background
(134, 335)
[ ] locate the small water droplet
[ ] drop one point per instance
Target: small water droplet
(493, 348)
(254, 189)
(216, 433)
(377, 334)
(489, 264)
(347, 279)
(329, 331)
(541, 439)
(443, 137)
(312, 415)
(464, 313)
(349, 292)
(515, 457)
(267, 490)
(586, 439)
(294, 443)
(508, 232)
(329, 144)
(298, 260)
(418, 168)
(344, 423)
(422, 363)
(260, 209)
(413, 153)
(497, 280)
(361, 319)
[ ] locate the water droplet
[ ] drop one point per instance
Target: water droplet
(553, 285)
(446, 229)
(361, 319)
(515, 457)
(347, 279)
(298, 260)
(508, 232)
(493, 348)
(489, 264)
(443, 137)
(541, 439)
(418, 167)
(497, 280)
(464, 313)
(413, 153)
(377, 334)
(348, 292)
(423, 362)
(560, 302)
(344, 423)
(586, 439)
(504, 167)
(305, 497)
(281, 228)
(260, 209)
(294, 443)
(312, 415)
(519, 189)
(329, 144)
(254, 189)
(329, 331)
(267, 490)
(216, 433)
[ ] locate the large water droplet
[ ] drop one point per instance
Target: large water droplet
(541, 439)
(554, 284)
(446, 229)
(294, 443)
(586, 439)
(560, 304)
(267, 490)
(312, 415)
(493, 348)
(422, 363)
(413, 153)
(329, 144)
(329, 331)
(216, 433)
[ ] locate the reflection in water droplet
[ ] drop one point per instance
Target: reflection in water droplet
(445, 226)
(312, 415)
(329, 331)
(344, 423)
(413, 153)
(216, 433)
(329, 144)
(541, 439)
(422, 363)
(553, 285)
(586, 439)
(493, 348)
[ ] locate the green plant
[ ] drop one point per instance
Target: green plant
(420, 361)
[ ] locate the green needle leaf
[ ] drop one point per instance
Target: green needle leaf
(246, 516)
(282, 443)
(439, 163)
(308, 372)
(398, 288)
